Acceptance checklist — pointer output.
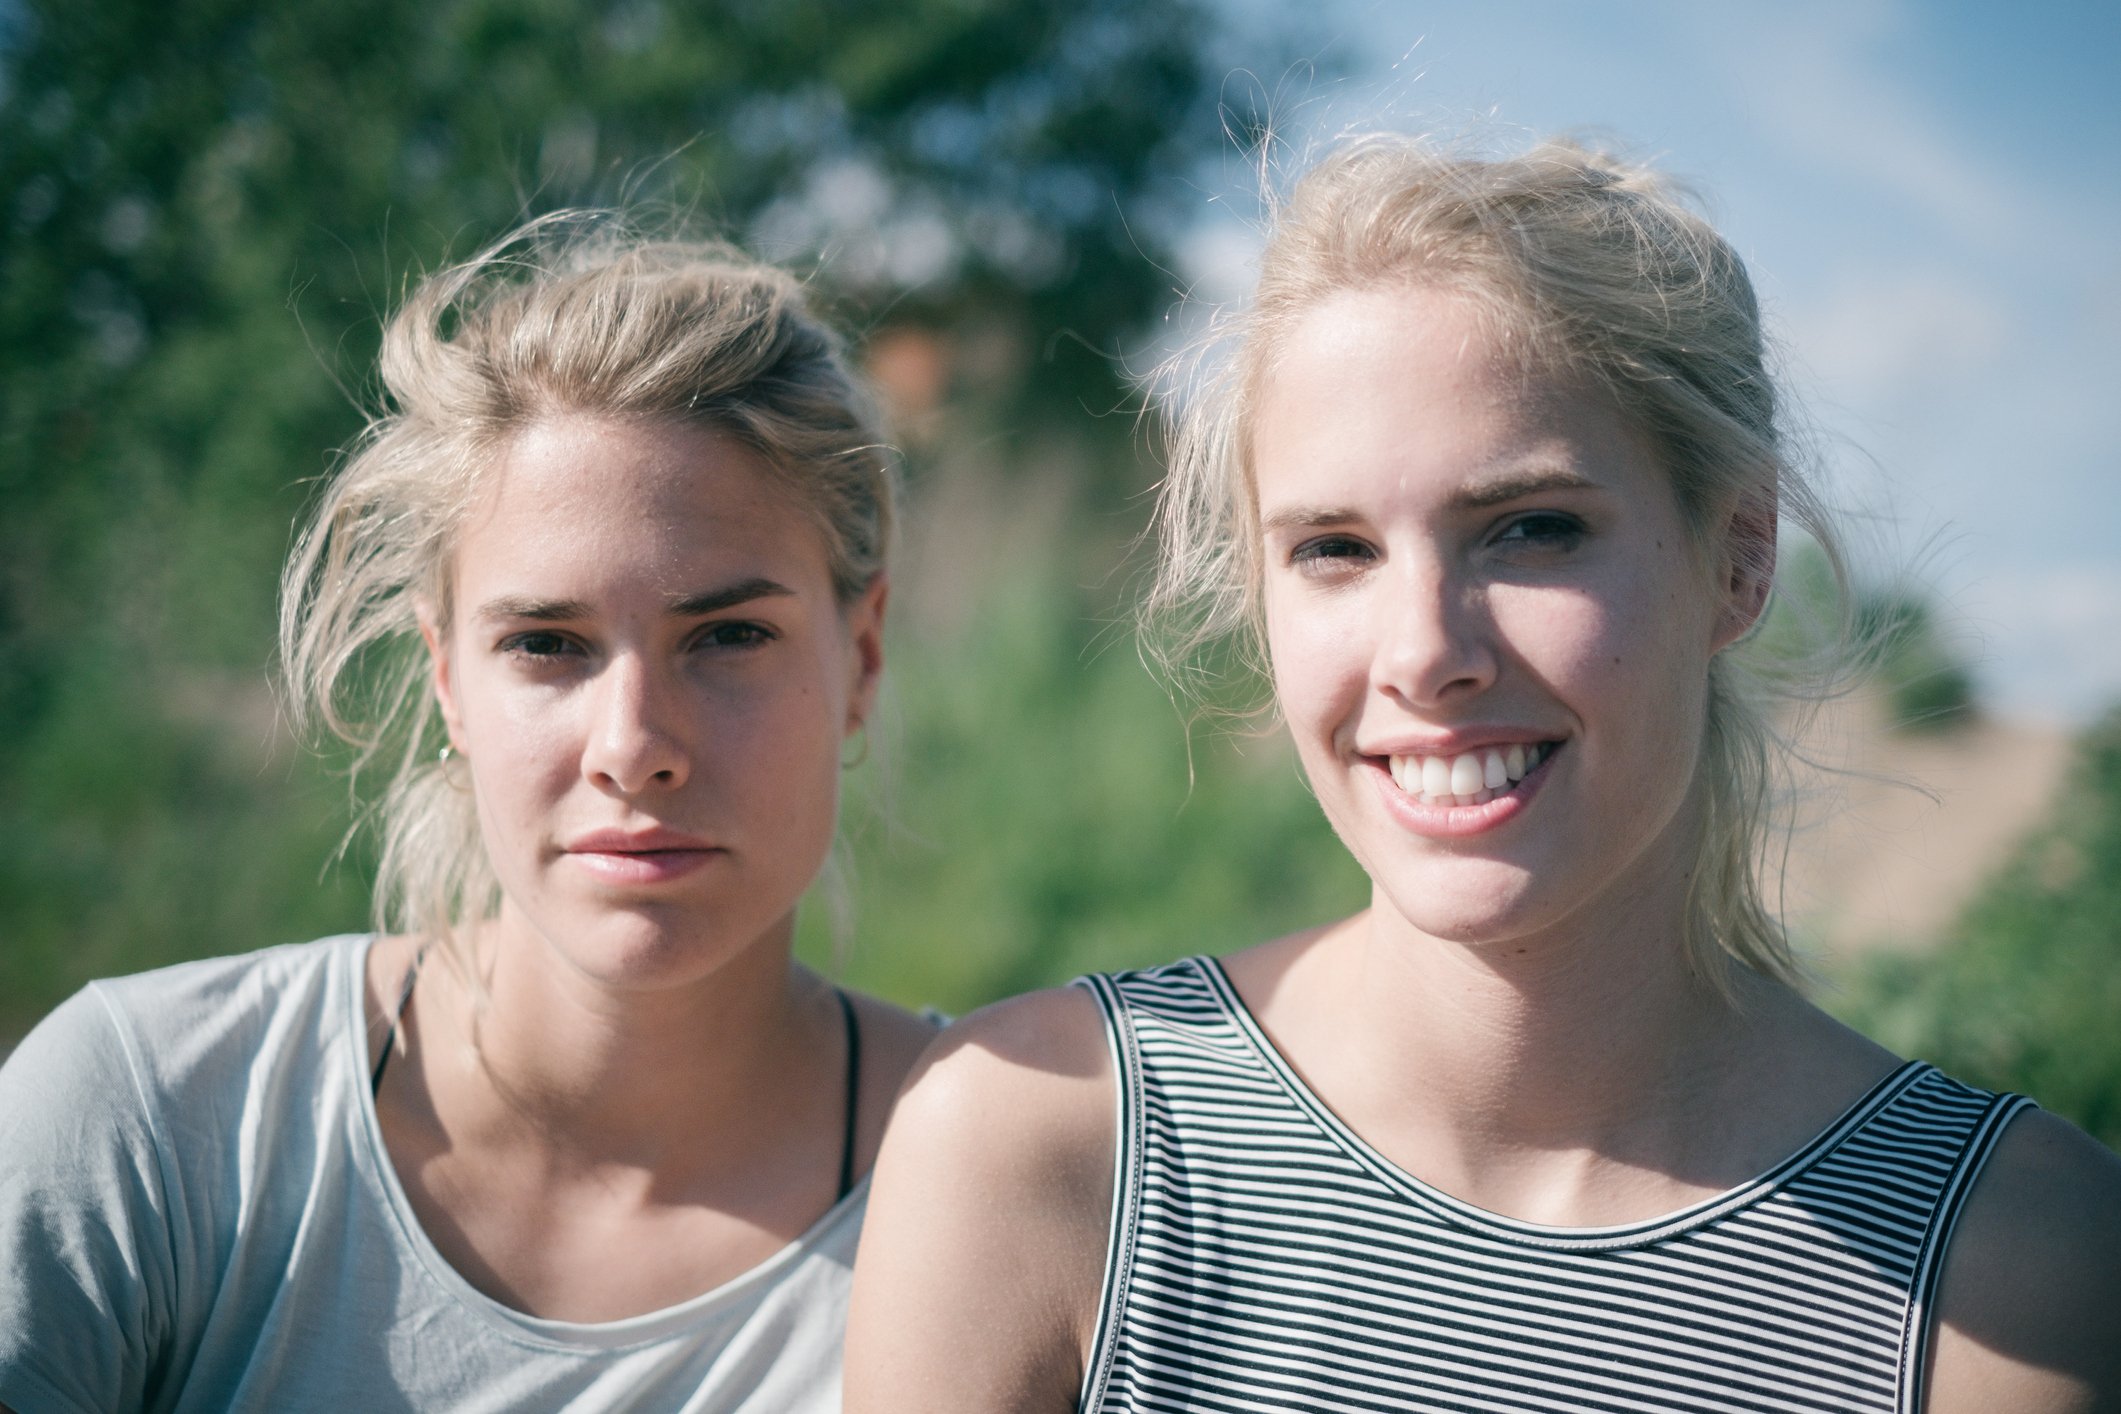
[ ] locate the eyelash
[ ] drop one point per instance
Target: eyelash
(724, 635)
(1565, 530)
(540, 645)
(1533, 530)
(1327, 548)
(520, 644)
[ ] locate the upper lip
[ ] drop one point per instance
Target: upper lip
(1456, 743)
(654, 840)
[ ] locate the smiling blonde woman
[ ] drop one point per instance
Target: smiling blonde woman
(608, 579)
(1493, 479)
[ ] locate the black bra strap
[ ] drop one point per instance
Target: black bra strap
(397, 1018)
(854, 1091)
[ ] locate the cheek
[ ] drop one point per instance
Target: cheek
(524, 744)
(1629, 663)
(1581, 646)
(1318, 659)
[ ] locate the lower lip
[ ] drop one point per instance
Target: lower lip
(657, 866)
(1459, 821)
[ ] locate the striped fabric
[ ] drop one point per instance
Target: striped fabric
(1264, 1258)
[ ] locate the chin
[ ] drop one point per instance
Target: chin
(634, 950)
(1475, 904)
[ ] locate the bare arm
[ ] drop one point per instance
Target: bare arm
(2029, 1312)
(984, 1248)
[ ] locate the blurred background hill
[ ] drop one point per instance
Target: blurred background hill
(207, 207)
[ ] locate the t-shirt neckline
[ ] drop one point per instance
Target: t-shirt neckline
(625, 1333)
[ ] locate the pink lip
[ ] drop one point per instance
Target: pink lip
(635, 857)
(1455, 821)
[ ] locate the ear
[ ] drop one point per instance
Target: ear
(865, 635)
(1748, 563)
(439, 664)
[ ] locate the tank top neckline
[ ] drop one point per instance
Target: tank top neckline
(1515, 1230)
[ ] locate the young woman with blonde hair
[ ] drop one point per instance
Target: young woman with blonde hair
(1493, 482)
(605, 588)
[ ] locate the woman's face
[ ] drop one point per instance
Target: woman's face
(650, 679)
(1490, 634)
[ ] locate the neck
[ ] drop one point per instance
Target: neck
(600, 1073)
(1580, 1076)
(1541, 1043)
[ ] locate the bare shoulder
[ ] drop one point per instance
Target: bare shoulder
(1058, 1031)
(984, 1249)
(2029, 1310)
(1016, 1094)
(892, 1039)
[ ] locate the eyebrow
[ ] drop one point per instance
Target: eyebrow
(690, 606)
(1493, 491)
(715, 600)
(1515, 485)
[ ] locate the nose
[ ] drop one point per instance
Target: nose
(635, 741)
(1435, 642)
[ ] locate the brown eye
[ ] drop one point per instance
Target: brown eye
(1542, 530)
(736, 634)
(536, 645)
(1327, 549)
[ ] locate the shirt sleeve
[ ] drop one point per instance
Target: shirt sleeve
(86, 1276)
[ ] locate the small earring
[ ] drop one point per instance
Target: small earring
(861, 751)
(451, 764)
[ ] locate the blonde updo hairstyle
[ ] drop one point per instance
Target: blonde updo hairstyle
(571, 314)
(1583, 266)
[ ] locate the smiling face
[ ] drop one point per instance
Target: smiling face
(1489, 628)
(650, 677)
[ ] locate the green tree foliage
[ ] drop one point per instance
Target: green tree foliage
(2025, 991)
(206, 207)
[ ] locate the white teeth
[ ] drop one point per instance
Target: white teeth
(1472, 778)
(1465, 774)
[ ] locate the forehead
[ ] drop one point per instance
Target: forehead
(617, 504)
(1408, 390)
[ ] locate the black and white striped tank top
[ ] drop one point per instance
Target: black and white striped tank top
(1263, 1257)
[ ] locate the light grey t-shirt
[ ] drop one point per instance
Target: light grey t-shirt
(197, 1213)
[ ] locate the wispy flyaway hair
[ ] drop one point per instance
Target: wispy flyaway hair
(572, 314)
(1584, 266)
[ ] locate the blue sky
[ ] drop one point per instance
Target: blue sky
(1930, 198)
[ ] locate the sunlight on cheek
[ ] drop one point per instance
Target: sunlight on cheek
(1310, 652)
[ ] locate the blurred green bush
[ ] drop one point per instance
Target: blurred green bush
(1040, 822)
